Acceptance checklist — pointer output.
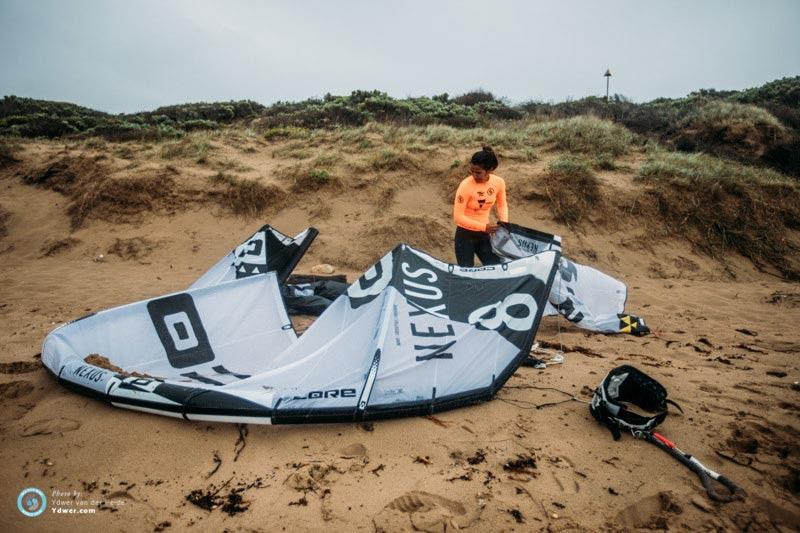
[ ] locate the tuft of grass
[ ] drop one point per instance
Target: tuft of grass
(230, 164)
(221, 178)
(588, 135)
(319, 175)
(293, 153)
(667, 165)
(526, 155)
(132, 249)
(54, 247)
(286, 132)
(309, 178)
(440, 134)
(95, 143)
(604, 162)
(326, 160)
(572, 189)
(7, 154)
(248, 198)
(389, 159)
(314, 179)
(721, 205)
(193, 147)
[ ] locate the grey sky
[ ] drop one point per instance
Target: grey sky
(125, 56)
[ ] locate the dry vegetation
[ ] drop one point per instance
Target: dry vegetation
(58, 246)
(739, 131)
(4, 217)
(134, 248)
(716, 203)
(571, 190)
(244, 197)
(719, 206)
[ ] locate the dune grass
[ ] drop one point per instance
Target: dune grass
(587, 135)
(572, 189)
(248, 198)
(8, 153)
(677, 166)
(389, 159)
(721, 205)
(741, 131)
(195, 147)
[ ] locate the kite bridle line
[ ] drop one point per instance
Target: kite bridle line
(556, 356)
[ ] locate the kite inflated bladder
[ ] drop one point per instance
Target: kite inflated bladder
(628, 385)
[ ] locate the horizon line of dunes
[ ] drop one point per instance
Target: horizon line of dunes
(759, 126)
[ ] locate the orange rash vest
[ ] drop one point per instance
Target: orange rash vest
(474, 202)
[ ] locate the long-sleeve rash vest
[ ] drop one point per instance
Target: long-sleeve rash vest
(474, 202)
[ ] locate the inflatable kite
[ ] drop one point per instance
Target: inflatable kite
(267, 250)
(413, 335)
(583, 295)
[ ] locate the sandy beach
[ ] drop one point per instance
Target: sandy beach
(725, 344)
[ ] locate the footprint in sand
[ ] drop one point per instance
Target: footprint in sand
(48, 426)
(353, 451)
(652, 512)
(423, 511)
(15, 389)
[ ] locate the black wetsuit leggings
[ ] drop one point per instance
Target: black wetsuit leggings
(469, 243)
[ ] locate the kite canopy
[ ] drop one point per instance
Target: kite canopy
(582, 294)
(413, 335)
(267, 250)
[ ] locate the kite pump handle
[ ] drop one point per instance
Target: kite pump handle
(706, 475)
(735, 492)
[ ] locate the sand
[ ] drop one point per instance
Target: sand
(725, 347)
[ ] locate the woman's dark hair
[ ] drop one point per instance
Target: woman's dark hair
(485, 159)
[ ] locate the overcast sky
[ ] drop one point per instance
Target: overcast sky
(132, 55)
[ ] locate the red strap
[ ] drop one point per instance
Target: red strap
(664, 440)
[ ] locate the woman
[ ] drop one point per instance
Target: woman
(473, 202)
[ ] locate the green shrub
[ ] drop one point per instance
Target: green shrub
(474, 97)
(199, 125)
(285, 132)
